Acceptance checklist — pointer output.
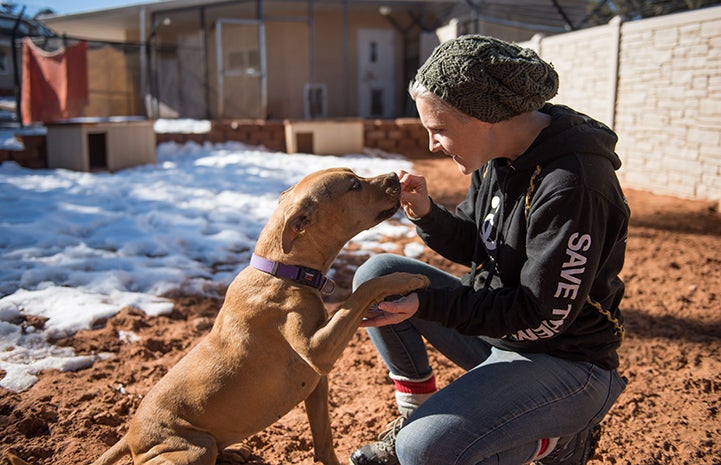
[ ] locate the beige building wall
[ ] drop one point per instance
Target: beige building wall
(657, 83)
(288, 59)
(332, 68)
(335, 59)
(112, 88)
(288, 69)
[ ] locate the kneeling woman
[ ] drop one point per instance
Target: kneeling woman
(536, 320)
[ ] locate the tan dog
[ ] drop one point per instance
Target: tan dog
(272, 344)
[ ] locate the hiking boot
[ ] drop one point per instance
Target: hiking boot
(382, 452)
(574, 450)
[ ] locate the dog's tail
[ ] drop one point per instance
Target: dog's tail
(114, 454)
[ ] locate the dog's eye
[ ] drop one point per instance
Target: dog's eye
(356, 186)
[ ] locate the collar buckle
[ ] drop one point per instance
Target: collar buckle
(328, 287)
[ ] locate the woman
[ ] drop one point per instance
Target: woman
(536, 320)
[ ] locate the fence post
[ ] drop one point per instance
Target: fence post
(536, 43)
(17, 63)
(615, 24)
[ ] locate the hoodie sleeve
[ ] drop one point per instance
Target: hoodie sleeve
(440, 224)
(564, 246)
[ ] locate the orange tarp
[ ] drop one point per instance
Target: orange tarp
(55, 84)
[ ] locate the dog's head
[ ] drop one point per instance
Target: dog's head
(329, 207)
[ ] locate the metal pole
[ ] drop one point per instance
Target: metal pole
(144, 62)
(346, 59)
(219, 64)
(16, 70)
(311, 40)
(263, 60)
(204, 61)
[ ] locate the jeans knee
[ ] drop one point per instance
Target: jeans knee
(417, 445)
(407, 447)
(376, 265)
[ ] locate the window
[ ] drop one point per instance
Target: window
(4, 62)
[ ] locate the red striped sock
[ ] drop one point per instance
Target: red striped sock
(416, 387)
(412, 393)
(545, 447)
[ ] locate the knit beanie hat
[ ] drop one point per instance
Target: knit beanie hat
(488, 78)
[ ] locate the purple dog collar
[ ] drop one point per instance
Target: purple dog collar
(298, 274)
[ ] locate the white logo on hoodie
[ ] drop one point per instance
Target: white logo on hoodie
(488, 227)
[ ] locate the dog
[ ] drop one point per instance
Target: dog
(272, 344)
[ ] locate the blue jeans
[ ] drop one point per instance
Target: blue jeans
(506, 401)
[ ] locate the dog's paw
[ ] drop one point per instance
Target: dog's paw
(234, 454)
(422, 280)
(403, 283)
(388, 287)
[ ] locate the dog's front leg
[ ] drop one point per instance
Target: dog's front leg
(316, 406)
(322, 348)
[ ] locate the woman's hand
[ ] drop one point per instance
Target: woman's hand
(414, 195)
(389, 313)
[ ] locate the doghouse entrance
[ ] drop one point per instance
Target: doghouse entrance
(304, 142)
(98, 151)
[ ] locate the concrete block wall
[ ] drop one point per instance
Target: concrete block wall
(669, 104)
(404, 136)
(657, 83)
(269, 134)
(33, 155)
(584, 61)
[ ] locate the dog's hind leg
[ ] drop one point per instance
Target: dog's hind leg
(12, 459)
(234, 454)
(201, 450)
(113, 454)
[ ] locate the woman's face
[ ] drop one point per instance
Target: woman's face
(467, 140)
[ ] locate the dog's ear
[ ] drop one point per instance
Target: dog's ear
(293, 227)
(284, 193)
(296, 222)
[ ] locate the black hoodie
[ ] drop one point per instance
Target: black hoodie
(545, 237)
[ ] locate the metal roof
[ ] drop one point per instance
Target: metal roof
(551, 16)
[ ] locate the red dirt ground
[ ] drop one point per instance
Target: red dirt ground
(669, 414)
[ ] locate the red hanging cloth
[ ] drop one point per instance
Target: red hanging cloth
(55, 84)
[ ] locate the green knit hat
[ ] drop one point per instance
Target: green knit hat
(488, 78)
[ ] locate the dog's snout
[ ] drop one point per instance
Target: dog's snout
(392, 184)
